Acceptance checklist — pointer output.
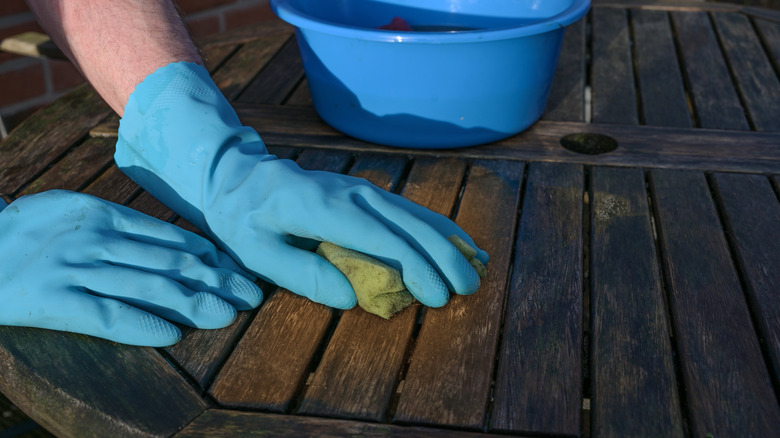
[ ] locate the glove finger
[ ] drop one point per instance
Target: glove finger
(423, 239)
(304, 273)
(158, 295)
(187, 269)
(138, 227)
(101, 317)
(365, 233)
(443, 224)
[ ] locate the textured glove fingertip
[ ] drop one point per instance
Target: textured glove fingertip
(431, 291)
(239, 291)
(212, 312)
(155, 332)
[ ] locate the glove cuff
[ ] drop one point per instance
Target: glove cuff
(176, 127)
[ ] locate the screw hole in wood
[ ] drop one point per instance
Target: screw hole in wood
(589, 143)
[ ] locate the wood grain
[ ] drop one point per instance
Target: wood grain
(75, 169)
(612, 75)
(300, 95)
(450, 372)
(539, 381)
(634, 389)
(214, 56)
(567, 95)
(270, 364)
(234, 75)
(275, 82)
(727, 386)
(359, 368)
(114, 186)
(769, 32)
(39, 140)
(756, 80)
(200, 353)
(752, 219)
(244, 34)
(250, 424)
(643, 146)
(80, 386)
(663, 99)
(715, 101)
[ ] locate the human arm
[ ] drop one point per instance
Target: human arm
(116, 44)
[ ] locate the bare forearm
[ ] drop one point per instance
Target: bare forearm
(116, 44)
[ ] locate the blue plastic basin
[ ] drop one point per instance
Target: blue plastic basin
(483, 74)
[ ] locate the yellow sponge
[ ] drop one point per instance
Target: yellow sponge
(379, 288)
(470, 254)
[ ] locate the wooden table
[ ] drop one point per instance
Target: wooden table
(629, 293)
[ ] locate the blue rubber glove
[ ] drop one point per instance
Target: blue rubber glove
(76, 263)
(182, 141)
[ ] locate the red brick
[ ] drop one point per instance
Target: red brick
(204, 25)
(10, 7)
(190, 6)
(64, 75)
(23, 83)
(249, 14)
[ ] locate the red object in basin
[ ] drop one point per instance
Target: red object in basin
(398, 23)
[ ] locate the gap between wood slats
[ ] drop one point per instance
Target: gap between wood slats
(765, 327)
(587, 307)
(726, 381)
(666, 294)
(732, 70)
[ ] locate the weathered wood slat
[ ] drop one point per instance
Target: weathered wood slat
(634, 390)
(539, 378)
(715, 101)
(114, 186)
(270, 364)
(272, 26)
(727, 386)
(612, 81)
(278, 79)
(677, 5)
(79, 386)
(238, 71)
(663, 99)
(753, 222)
(770, 36)
(644, 146)
(214, 56)
(81, 164)
(756, 79)
(39, 140)
(234, 423)
(450, 373)
(148, 204)
(301, 95)
(200, 352)
(567, 95)
(360, 368)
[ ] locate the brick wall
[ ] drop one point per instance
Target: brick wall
(26, 84)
